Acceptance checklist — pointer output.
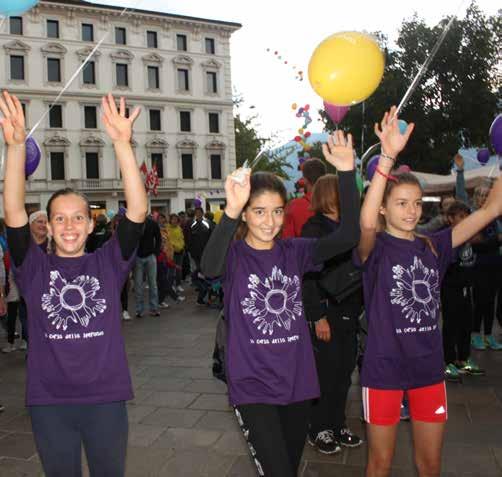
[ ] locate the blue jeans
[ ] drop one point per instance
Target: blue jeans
(60, 430)
(150, 265)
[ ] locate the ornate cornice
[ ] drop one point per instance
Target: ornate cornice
(16, 46)
(53, 49)
(187, 144)
(153, 58)
(215, 144)
(57, 141)
(157, 143)
(183, 60)
(122, 55)
(92, 141)
(211, 64)
(83, 53)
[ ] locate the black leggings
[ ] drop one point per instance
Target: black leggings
(484, 292)
(276, 436)
(13, 309)
(60, 430)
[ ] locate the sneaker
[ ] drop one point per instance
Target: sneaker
(451, 372)
(164, 305)
(180, 299)
(9, 348)
(492, 343)
(180, 289)
(155, 313)
(469, 367)
(478, 342)
(347, 439)
(201, 302)
(405, 411)
(139, 315)
(23, 346)
(325, 442)
(126, 316)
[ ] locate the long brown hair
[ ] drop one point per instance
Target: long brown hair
(325, 199)
(261, 182)
(407, 178)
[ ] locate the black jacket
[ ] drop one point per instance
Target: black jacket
(150, 240)
(316, 302)
(200, 231)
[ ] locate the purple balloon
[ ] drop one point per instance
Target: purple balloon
(336, 113)
(496, 134)
(483, 155)
(197, 203)
(371, 167)
(33, 155)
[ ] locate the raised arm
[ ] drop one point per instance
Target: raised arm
(460, 191)
(392, 142)
(14, 180)
(119, 128)
(215, 253)
(479, 219)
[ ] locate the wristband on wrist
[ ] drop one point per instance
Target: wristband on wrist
(389, 177)
(385, 156)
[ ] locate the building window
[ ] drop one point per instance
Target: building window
(211, 82)
(120, 35)
(214, 123)
(183, 83)
(215, 166)
(89, 73)
(151, 39)
(57, 166)
(16, 67)
(92, 165)
(187, 166)
(56, 116)
(185, 121)
(157, 160)
(87, 32)
(181, 42)
(155, 122)
(52, 29)
(153, 77)
(210, 50)
(54, 70)
(90, 117)
(122, 76)
(16, 25)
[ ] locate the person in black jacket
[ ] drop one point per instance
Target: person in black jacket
(335, 325)
(146, 260)
(200, 231)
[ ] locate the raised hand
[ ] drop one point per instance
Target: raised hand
(339, 151)
(237, 192)
(391, 139)
(13, 121)
(118, 127)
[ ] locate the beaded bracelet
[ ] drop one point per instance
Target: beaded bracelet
(385, 156)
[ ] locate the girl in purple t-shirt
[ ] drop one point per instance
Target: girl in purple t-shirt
(402, 280)
(270, 365)
(77, 374)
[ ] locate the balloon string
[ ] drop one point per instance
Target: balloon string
(79, 69)
(428, 61)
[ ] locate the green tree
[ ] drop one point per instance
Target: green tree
(455, 101)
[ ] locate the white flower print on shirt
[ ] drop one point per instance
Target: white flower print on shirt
(417, 291)
(273, 302)
(72, 301)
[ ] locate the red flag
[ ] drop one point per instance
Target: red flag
(155, 179)
(143, 169)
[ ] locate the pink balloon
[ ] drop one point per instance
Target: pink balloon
(336, 113)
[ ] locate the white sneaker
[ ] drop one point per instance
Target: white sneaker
(23, 346)
(126, 316)
(9, 348)
(180, 289)
(180, 299)
(164, 305)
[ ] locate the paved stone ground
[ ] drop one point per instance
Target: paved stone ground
(181, 425)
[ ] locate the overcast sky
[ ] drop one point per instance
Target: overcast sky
(294, 28)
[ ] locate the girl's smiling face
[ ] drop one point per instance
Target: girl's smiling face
(69, 225)
(264, 217)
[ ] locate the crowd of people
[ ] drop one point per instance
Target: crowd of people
(310, 290)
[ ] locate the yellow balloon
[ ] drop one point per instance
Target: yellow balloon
(300, 131)
(346, 68)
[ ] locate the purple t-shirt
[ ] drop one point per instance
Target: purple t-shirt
(269, 355)
(402, 282)
(77, 353)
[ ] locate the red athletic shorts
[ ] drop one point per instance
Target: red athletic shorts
(383, 406)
